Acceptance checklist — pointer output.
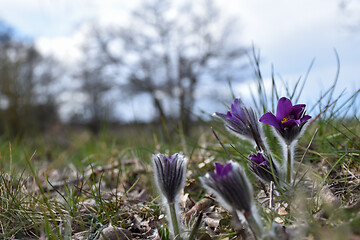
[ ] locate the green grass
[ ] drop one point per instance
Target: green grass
(60, 184)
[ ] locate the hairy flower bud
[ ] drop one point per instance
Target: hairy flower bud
(263, 168)
(231, 187)
(169, 174)
(243, 122)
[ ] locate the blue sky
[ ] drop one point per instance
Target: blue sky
(288, 34)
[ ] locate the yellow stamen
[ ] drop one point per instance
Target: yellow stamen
(284, 120)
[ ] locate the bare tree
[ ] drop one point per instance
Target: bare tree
(168, 52)
(95, 84)
(25, 75)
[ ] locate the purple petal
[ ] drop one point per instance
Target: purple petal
(270, 119)
(305, 118)
(283, 109)
(218, 168)
(226, 169)
(221, 115)
(173, 157)
(252, 156)
(222, 171)
(297, 110)
(291, 123)
(258, 159)
(237, 108)
(226, 116)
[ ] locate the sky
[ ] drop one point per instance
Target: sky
(288, 35)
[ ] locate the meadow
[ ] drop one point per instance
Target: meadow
(70, 184)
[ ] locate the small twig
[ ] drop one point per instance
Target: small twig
(323, 111)
(200, 206)
(271, 197)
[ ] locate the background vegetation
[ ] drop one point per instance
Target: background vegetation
(71, 179)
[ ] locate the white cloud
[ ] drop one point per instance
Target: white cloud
(46, 18)
(267, 22)
(64, 48)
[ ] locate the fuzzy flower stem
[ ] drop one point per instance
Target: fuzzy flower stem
(253, 225)
(174, 221)
(289, 161)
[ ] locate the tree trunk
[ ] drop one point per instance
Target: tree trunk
(187, 102)
(159, 108)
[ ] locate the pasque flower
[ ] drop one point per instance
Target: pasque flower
(169, 174)
(242, 121)
(263, 168)
(289, 119)
(230, 184)
(233, 190)
(288, 122)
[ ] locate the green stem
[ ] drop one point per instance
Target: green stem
(288, 164)
(174, 221)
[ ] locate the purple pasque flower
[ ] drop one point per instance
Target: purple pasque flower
(221, 171)
(289, 119)
(263, 168)
(170, 174)
(231, 187)
(242, 121)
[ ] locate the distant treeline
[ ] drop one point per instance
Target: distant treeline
(166, 53)
(26, 103)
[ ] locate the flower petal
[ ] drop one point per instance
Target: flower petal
(256, 159)
(173, 157)
(222, 171)
(226, 169)
(297, 110)
(290, 123)
(237, 109)
(270, 119)
(305, 118)
(283, 109)
(222, 116)
(218, 168)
